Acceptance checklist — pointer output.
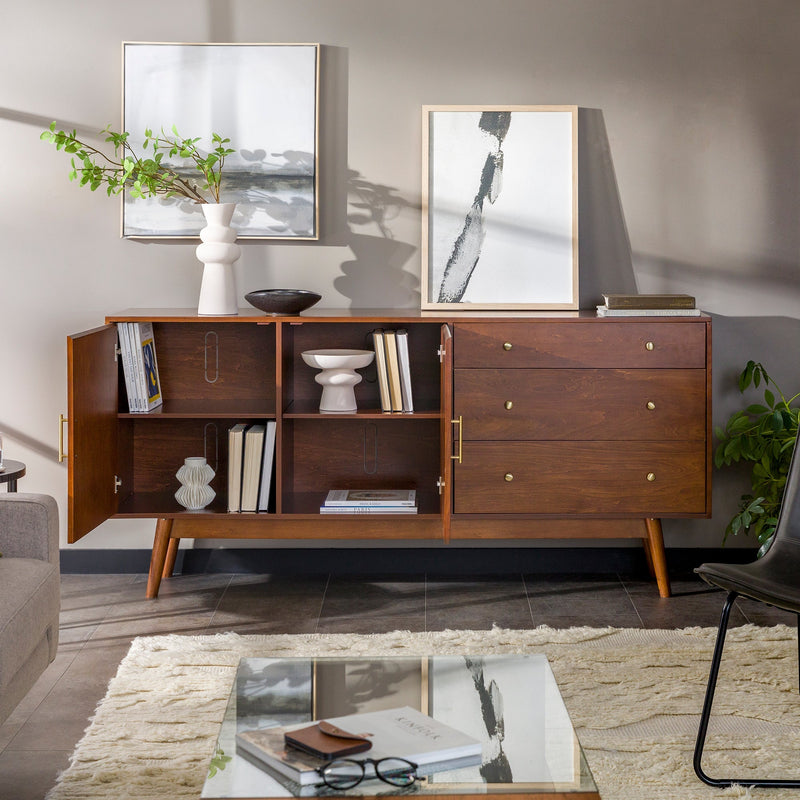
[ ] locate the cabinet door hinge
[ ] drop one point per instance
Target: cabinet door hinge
(440, 353)
(440, 484)
(117, 353)
(117, 484)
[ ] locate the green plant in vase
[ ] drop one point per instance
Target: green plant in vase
(763, 434)
(144, 173)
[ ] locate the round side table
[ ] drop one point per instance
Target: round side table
(11, 471)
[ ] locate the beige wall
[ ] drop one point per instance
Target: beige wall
(702, 114)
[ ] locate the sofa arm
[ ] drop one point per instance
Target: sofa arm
(29, 526)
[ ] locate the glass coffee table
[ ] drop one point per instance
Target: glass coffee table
(511, 703)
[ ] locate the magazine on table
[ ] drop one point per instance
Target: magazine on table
(395, 732)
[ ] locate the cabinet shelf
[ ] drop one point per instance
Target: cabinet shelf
(207, 409)
(309, 409)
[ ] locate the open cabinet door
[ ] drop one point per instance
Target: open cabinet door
(92, 389)
(446, 415)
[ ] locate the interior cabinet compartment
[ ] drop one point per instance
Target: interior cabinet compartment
(325, 453)
(152, 450)
(215, 368)
(302, 393)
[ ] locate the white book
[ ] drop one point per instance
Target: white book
(405, 369)
(371, 497)
(251, 469)
(368, 510)
(266, 466)
(235, 456)
(603, 311)
(149, 382)
(398, 732)
(138, 398)
(127, 366)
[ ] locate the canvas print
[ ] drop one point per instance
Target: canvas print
(263, 97)
(500, 207)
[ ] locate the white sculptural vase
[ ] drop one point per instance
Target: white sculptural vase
(338, 376)
(218, 252)
(195, 493)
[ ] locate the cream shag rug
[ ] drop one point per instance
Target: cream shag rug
(634, 697)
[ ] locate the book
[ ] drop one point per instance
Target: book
(371, 497)
(405, 370)
(235, 460)
(127, 366)
(143, 343)
(267, 465)
(380, 366)
(398, 732)
(251, 467)
(393, 368)
(367, 509)
(602, 311)
(648, 301)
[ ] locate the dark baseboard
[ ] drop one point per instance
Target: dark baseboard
(395, 561)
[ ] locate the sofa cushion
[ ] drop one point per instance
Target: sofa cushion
(29, 605)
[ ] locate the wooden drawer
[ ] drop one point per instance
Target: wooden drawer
(579, 404)
(581, 478)
(594, 342)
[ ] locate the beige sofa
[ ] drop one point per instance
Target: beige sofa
(30, 597)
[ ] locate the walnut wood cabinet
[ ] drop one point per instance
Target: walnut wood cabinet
(526, 426)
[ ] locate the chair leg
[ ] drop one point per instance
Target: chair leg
(706, 714)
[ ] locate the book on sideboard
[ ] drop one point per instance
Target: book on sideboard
(140, 366)
(371, 497)
(251, 467)
(602, 311)
(128, 368)
(235, 462)
(405, 369)
(380, 366)
(251, 457)
(397, 732)
(653, 301)
(267, 466)
(393, 368)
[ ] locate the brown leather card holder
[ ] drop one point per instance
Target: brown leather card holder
(327, 741)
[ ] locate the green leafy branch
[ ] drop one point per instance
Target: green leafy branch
(145, 175)
(218, 761)
(763, 434)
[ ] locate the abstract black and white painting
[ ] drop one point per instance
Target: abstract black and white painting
(500, 207)
(264, 98)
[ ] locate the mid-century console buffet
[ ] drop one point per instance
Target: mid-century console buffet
(526, 425)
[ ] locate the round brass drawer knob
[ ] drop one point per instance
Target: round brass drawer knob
(507, 345)
(508, 477)
(508, 405)
(651, 406)
(649, 346)
(651, 476)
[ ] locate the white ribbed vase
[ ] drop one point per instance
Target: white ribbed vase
(195, 493)
(218, 296)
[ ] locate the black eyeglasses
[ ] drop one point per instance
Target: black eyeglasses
(345, 773)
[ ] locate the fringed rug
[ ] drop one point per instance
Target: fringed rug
(634, 697)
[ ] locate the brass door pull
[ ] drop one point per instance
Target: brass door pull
(507, 345)
(651, 476)
(508, 477)
(61, 454)
(460, 423)
(649, 346)
(651, 406)
(508, 405)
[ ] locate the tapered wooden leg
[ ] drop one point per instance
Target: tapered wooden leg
(158, 558)
(648, 557)
(658, 556)
(172, 554)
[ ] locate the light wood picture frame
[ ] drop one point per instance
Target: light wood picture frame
(264, 97)
(499, 207)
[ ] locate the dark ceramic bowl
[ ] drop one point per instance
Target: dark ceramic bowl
(282, 302)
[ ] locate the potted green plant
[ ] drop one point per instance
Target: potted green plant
(145, 173)
(763, 434)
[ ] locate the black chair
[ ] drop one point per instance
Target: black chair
(775, 580)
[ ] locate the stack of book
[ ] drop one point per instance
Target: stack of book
(394, 369)
(251, 461)
(394, 732)
(370, 501)
(648, 305)
(137, 347)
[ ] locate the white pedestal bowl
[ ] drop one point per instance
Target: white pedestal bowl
(338, 376)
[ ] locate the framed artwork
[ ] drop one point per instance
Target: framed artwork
(500, 207)
(264, 98)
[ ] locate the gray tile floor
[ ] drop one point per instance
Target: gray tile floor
(101, 614)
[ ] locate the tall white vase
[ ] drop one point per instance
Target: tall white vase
(195, 475)
(218, 295)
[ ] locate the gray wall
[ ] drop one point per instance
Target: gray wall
(693, 133)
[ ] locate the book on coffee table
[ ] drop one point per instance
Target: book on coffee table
(394, 732)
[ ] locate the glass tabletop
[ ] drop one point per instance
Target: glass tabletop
(510, 703)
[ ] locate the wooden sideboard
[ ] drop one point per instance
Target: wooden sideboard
(526, 425)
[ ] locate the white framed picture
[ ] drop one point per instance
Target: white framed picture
(264, 98)
(500, 207)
